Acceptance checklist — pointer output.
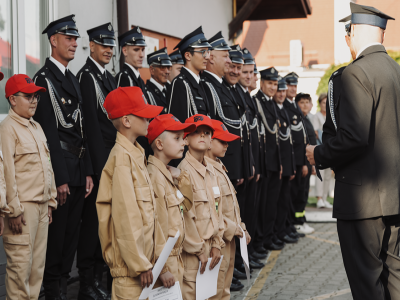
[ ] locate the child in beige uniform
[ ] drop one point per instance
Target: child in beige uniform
(231, 211)
(204, 222)
(166, 139)
(130, 235)
(30, 190)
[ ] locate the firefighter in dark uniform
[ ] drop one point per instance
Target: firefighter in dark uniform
(252, 203)
(132, 46)
(177, 65)
(243, 183)
(187, 96)
(265, 239)
(160, 68)
(299, 135)
(60, 115)
(288, 165)
(96, 82)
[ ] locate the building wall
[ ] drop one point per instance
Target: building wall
(269, 40)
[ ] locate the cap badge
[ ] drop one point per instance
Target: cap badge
(73, 19)
(238, 48)
(63, 100)
(223, 127)
(198, 118)
(199, 41)
(246, 51)
(110, 28)
(138, 30)
(166, 50)
(272, 71)
(133, 39)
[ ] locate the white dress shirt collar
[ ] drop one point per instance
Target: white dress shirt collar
(159, 86)
(196, 77)
(265, 95)
(243, 88)
(292, 102)
(215, 75)
(58, 64)
(136, 72)
(280, 106)
(101, 69)
(362, 49)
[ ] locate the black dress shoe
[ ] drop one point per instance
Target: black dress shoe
(238, 274)
(300, 235)
(289, 240)
(293, 235)
(255, 265)
(261, 250)
(273, 246)
(97, 282)
(251, 257)
(259, 255)
(86, 286)
(63, 296)
(242, 269)
(235, 280)
(236, 287)
(278, 242)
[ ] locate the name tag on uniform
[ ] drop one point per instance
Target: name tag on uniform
(216, 190)
(179, 194)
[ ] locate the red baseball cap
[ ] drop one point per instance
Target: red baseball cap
(222, 133)
(199, 120)
(129, 100)
(166, 122)
(21, 83)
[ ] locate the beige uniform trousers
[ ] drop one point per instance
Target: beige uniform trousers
(226, 271)
(26, 253)
(126, 288)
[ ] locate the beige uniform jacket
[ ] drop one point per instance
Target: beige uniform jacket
(4, 209)
(171, 202)
(203, 222)
(130, 235)
(28, 172)
(231, 210)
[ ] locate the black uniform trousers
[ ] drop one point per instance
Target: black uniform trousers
(370, 251)
(89, 247)
(297, 186)
(283, 208)
(250, 209)
(302, 220)
(64, 236)
(267, 213)
(241, 198)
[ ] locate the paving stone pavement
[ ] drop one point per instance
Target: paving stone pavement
(312, 269)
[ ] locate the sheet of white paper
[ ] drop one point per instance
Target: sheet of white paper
(245, 256)
(163, 293)
(169, 245)
(206, 283)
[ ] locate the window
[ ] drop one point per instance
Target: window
(5, 50)
(32, 36)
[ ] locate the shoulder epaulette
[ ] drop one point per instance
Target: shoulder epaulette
(338, 72)
(42, 72)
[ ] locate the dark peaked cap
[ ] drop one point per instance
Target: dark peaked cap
(159, 58)
(195, 39)
(176, 57)
(236, 55)
(291, 78)
(64, 26)
(103, 35)
(218, 42)
(133, 37)
(247, 57)
(368, 15)
(270, 74)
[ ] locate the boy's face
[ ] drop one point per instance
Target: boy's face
(218, 147)
(304, 105)
(200, 139)
(173, 144)
(138, 124)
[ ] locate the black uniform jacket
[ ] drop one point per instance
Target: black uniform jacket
(126, 77)
(153, 92)
(234, 159)
(261, 139)
(365, 151)
(100, 131)
(299, 136)
(248, 136)
(272, 154)
(179, 97)
(68, 167)
(286, 146)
